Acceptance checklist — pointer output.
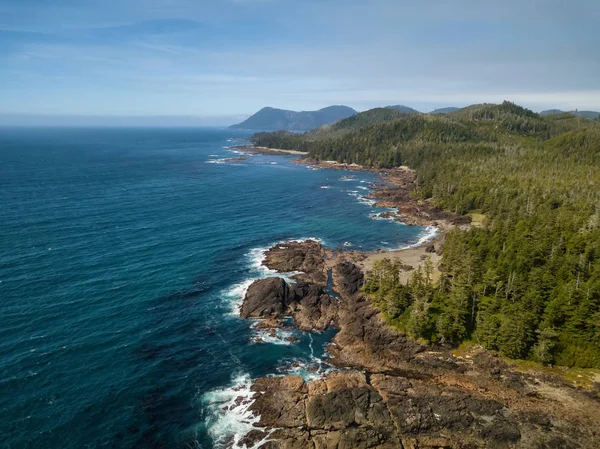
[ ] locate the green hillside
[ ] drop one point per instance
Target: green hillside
(526, 283)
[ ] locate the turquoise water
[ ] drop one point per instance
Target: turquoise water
(123, 256)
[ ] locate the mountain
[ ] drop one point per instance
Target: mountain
(444, 110)
(552, 112)
(587, 114)
(280, 119)
(402, 108)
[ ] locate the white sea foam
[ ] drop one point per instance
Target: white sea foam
(325, 187)
(308, 371)
(429, 234)
(367, 201)
(378, 216)
(256, 257)
(217, 161)
(229, 417)
(234, 295)
(274, 336)
(311, 369)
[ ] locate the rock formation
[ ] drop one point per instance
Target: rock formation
(393, 392)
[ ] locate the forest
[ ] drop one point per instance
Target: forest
(526, 283)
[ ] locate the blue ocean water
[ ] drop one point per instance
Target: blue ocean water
(123, 256)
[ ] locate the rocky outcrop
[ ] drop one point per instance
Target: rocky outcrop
(393, 392)
(311, 307)
(351, 409)
(307, 257)
(272, 299)
(266, 298)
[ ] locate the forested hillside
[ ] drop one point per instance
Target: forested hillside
(526, 283)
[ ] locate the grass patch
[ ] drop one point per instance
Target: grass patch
(580, 377)
(477, 219)
(464, 349)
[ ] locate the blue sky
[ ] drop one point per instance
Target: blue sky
(223, 59)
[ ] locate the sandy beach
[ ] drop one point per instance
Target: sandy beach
(414, 257)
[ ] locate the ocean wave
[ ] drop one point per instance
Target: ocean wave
(367, 201)
(378, 216)
(325, 187)
(429, 234)
(274, 336)
(235, 294)
(307, 370)
(217, 161)
(229, 417)
(311, 369)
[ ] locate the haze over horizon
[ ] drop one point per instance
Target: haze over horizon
(222, 61)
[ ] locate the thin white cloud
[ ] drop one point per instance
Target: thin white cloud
(306, 55)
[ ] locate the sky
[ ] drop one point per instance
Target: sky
(218, 61)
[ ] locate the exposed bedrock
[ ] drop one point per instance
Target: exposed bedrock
(273, 299)
(394, 392)
(307, 257)
(266, 298)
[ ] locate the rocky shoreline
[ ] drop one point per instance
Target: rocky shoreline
(393, 192)
(390, 391)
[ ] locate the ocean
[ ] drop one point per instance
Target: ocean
(124, 255)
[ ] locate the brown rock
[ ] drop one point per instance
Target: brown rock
(266, 298)
(307, 257)
(313, 308)
(280, 401)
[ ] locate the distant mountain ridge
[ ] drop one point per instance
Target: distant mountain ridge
(269, 119)
(587, 114)
(445, 110)
(405, 109)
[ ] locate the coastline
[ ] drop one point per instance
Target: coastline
(392, 193)
(251, 149)
(378, 388)
(385, 390)
(413, 257)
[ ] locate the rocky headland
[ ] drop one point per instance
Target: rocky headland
(390, 391)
